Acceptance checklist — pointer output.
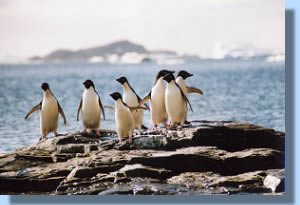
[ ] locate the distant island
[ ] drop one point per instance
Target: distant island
(126, 52)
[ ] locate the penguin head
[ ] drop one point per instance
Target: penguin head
(45, 86)
(122, 80)
(116, 96)
(184, 74)
(163, 73)
(169, 77)
(88, 83)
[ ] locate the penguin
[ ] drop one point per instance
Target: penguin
(49, 108)
(157, 99)
(91, 107)
(176, 101)
(124, 117)
(180, 80)
(132, 99)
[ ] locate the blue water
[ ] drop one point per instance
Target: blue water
(252, 91)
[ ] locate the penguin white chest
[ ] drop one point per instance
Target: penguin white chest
(49, 115)
(90, 109)
(182, 85)
(175, 104)
(158, 109)
(124, 120)
(131, 100)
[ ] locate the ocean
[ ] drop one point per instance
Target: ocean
(251, 91)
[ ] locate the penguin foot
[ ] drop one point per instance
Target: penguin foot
(42, 139)
(84, 132)
(187, 122)
(56, 134)
(170, 126)
(98, 133)
(129, 141)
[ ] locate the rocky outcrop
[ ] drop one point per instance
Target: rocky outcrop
(218, 157)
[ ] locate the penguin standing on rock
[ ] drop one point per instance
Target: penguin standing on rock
(176, 101)
(91, 107)
(180, 80)
(133, 100)
(49, 108)
(124, 117)
(157, 99)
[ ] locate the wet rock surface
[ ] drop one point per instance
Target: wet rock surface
(207, 157)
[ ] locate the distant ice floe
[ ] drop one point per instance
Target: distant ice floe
(137, 58)
(166, 59)
(96, 59)
(132, 58)
(222, 51)
(10, 59)
(276, 58)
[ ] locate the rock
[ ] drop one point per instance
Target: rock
(275, 181)
(150, 141)
(250, 182)
(201, 159)
(138, 170)
(206, 157)
(71, 148)
(235, 136)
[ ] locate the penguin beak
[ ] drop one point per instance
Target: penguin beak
(190, 75)
(172, 71)
(119, 80)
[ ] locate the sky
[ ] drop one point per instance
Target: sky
(37, 27)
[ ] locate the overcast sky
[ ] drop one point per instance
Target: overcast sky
(37, 27)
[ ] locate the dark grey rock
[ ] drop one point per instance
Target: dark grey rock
(206, 157)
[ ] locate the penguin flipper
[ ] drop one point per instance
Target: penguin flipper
(136, 108)
(35, 108)
(102, 108)
(61, 112)
(142, 102)
(79, 109)
(194, 90)
(148, 108)
(184, 97)
(187, 101)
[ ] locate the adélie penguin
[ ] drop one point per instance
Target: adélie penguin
(91, 107)
(133, 100)
(176, 101)
(49, 108)
(124, 117)
(180, 80)
(157, 99)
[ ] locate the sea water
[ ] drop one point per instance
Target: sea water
(241, 90)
